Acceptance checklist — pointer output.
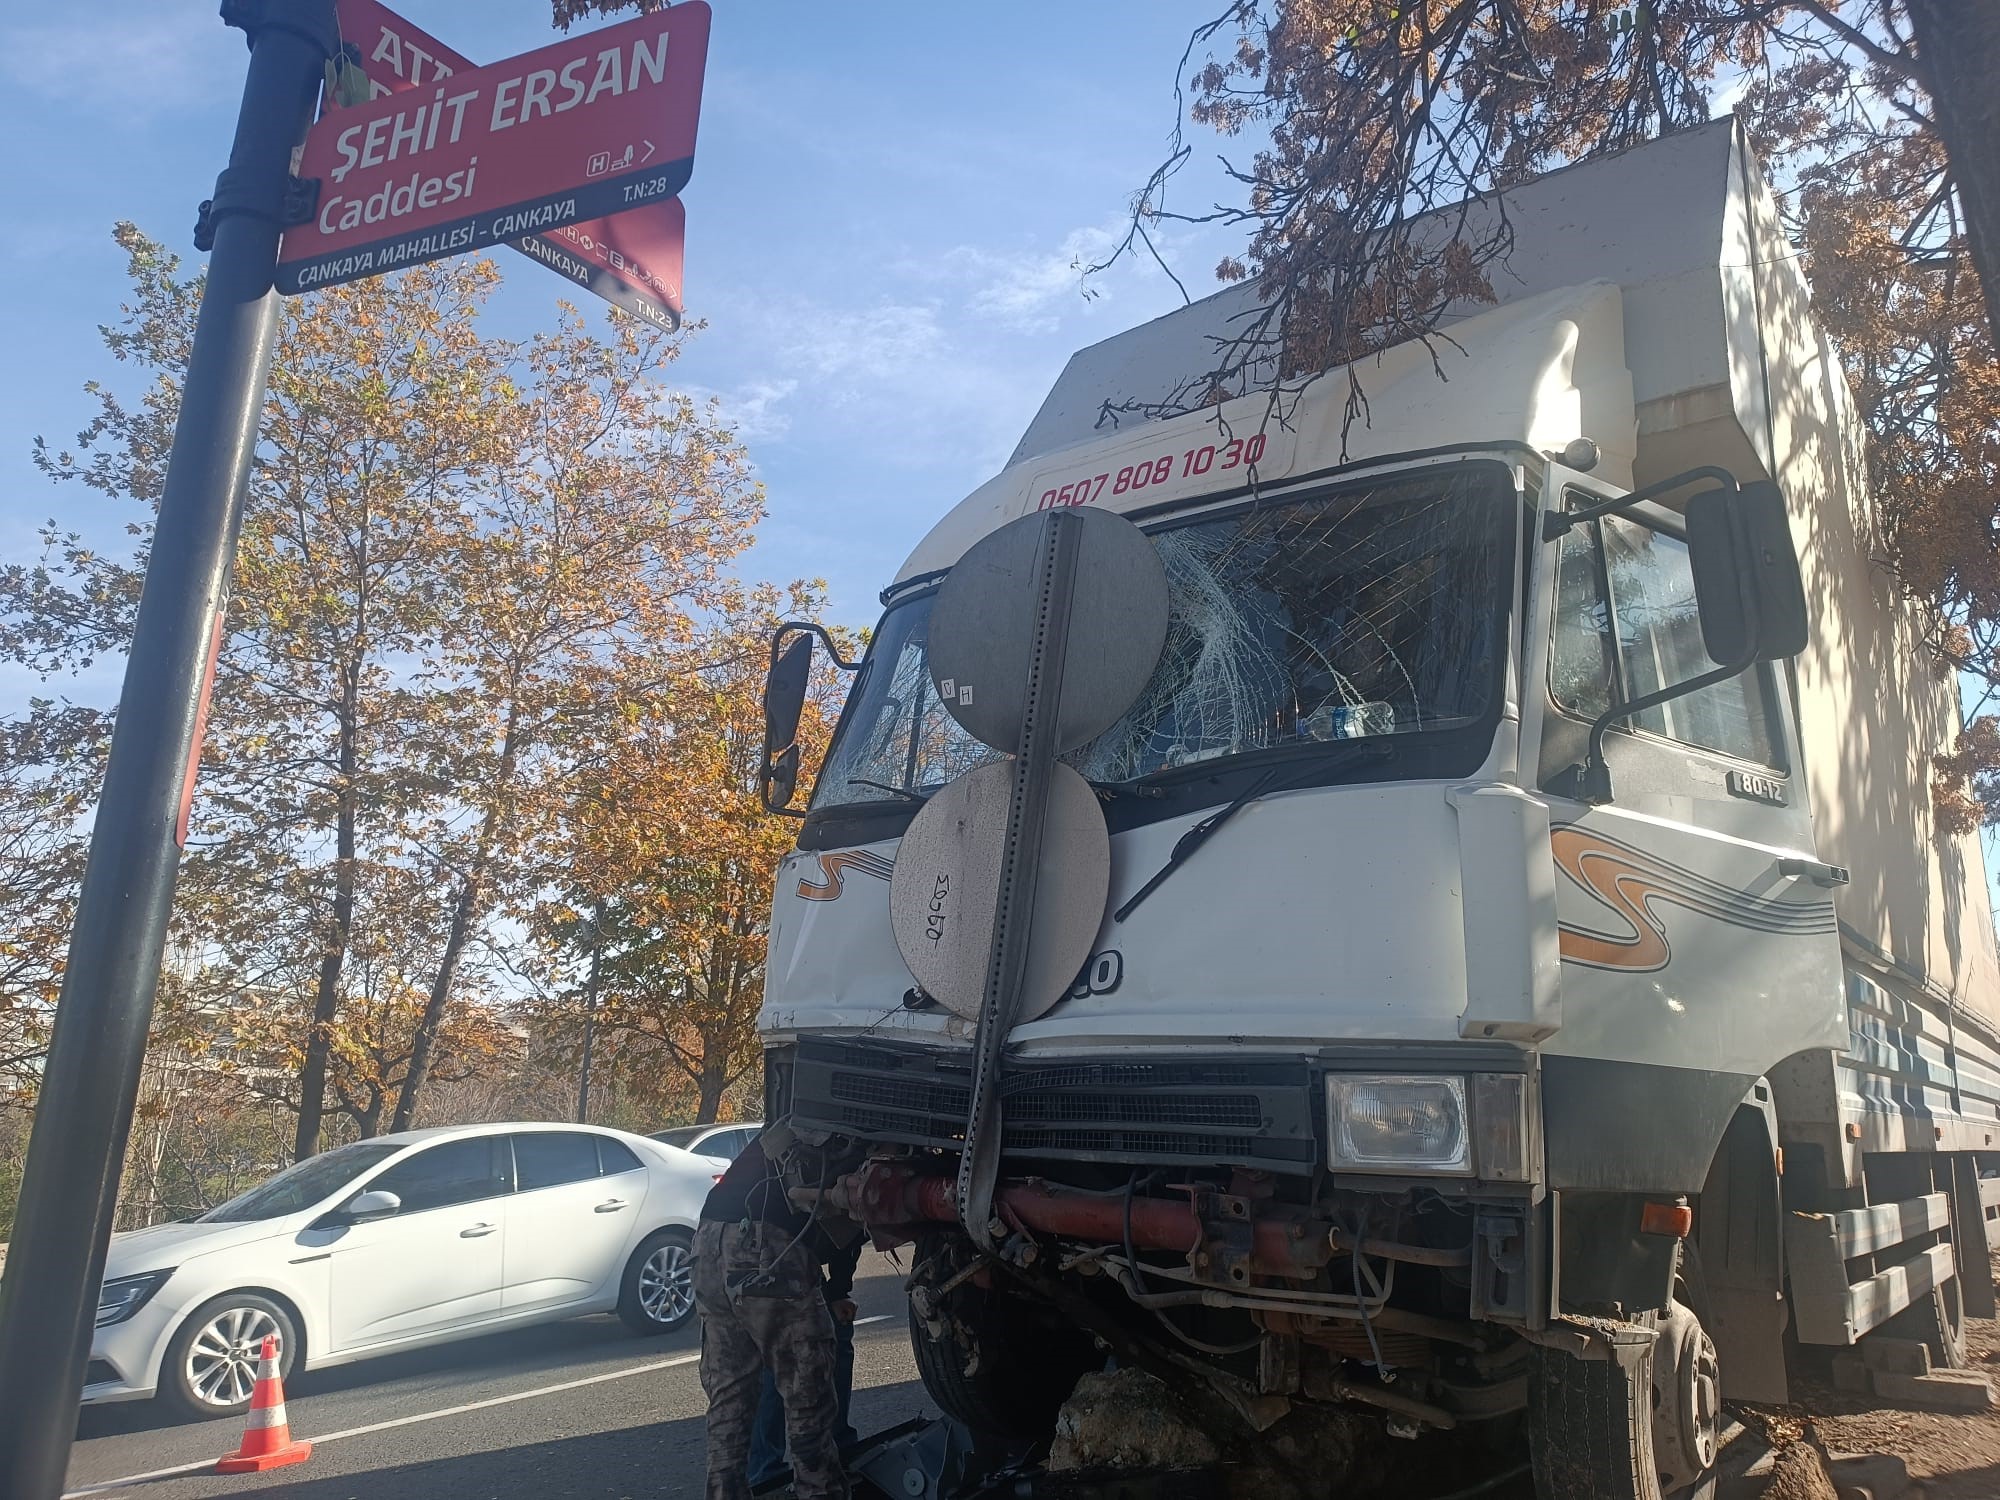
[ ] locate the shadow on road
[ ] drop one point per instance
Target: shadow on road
(566, 1349)
(660, 1459)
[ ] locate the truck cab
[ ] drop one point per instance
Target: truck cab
(1450, 1078)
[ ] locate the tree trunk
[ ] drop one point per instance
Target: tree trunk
(463, 913)
(714, 1079)
(326, 999)
(1958, 44)
(440, 996)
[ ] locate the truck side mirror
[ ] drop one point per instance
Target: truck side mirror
(1746, 575)
(1747, 589)
(784, 703)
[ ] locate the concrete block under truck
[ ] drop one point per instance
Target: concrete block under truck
(1563, 1019)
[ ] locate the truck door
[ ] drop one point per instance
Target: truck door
(1697, 933)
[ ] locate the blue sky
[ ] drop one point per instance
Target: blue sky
(886, 205)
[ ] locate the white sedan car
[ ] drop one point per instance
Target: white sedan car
(397, 1242)
(723, 1142)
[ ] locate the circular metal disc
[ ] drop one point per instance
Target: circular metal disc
(947, 880)
(983, 628)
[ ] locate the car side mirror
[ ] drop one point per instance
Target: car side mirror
(367, 1207)
(1746, 575)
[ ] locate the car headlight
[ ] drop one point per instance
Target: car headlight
(121, 1298)
(1433, 1124)
(1394, 1123)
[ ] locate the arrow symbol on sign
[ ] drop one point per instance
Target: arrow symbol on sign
(650, 149)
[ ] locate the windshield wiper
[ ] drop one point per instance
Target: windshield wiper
(894, 791)
(1274, 780)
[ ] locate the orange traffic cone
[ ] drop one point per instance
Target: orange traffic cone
(267, 1437)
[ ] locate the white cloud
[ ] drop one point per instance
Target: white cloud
(947, 394)
(873, 344)
(1726, 96)
(1029, 290)
(752, 409)
(1039, 291)
(126, 61)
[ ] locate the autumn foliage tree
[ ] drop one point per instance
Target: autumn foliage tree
(598, 544)
(667, 860)
(1878, 120)
(49, 763)
(467, 563)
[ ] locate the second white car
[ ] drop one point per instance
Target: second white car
(394, 1243)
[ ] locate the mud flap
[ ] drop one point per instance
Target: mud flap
(1739, 1267)
(1977, 1236)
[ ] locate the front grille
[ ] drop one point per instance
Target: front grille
(1254, 1112)
(1228, 1111)
(860, 1088)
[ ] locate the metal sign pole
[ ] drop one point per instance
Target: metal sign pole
(1020, 869)
(91, 1079)
(1029, 662)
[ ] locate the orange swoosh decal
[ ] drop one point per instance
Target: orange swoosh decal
(1620, 885)
(832, 866)
(1633, 883)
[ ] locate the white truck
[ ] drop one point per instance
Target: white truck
(1531, 1043)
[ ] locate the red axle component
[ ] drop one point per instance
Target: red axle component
(886, 1194)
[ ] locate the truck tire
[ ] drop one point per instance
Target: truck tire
(1591, 1422)
(999, 1366)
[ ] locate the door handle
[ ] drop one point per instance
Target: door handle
(609, 1206)
(477, 1231)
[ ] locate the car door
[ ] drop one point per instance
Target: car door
(577, 1206)
(435, 1265)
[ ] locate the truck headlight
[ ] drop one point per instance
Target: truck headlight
(1484, 1126)
(119, 1299)
(1382, 1122)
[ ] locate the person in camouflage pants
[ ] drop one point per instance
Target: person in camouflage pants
(757, 1284)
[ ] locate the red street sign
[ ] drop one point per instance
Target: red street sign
(633, 260)
(590, 126)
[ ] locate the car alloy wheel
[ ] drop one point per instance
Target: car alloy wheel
(221, 1365)
(666, 1283)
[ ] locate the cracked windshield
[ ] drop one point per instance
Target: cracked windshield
(1369, 612)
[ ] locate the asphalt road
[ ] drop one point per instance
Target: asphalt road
(569, 1411)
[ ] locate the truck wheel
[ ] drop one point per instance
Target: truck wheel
(995, 1362)
(1937, 1321)
(1599, 1431)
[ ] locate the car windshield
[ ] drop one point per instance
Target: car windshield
(1366, 612)
(684, 1137)
(302, 1185)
